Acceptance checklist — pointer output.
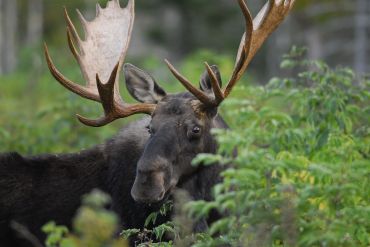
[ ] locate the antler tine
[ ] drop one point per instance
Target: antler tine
(106, 92)
(72, 29)
(200, 95)
(85, 92)
(104, 47)
(114, 109)
(244, 48)
(219, 96)
(267, 20)
(70, 85)
(257, 30)
(71, 44)
(187, 84)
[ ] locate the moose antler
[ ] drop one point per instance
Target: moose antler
(257, 31)
(100, 57)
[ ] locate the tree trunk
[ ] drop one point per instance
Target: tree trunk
(9, 28)
(35, 22)
(360, 37)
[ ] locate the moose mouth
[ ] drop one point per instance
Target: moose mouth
(153, 200)
(167, 194)
(147, 196)
(152, 188)
(155, 203)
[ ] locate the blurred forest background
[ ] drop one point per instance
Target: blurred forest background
(334, 30)
(187, 32)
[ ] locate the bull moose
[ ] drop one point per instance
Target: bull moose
(147, 159)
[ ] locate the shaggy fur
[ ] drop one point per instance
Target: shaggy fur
(35, 190)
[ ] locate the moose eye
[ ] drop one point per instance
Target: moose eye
(196, 130)
(194, 133)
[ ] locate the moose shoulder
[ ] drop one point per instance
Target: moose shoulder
(142, 165)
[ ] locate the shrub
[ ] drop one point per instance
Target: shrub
(301, 176)
(93, 226)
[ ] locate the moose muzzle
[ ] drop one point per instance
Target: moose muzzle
(149, 186)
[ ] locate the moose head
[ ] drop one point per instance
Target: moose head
(180, 123)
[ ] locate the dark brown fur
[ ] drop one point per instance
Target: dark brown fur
(35, 190)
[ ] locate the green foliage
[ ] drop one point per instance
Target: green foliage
(301, 176)
(149, 232)
(55, 234)
(94, 226)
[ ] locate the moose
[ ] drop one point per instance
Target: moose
(142, 165)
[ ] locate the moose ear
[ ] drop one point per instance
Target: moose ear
(205, 80)
(141, 85)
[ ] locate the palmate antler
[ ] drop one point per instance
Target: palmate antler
(257, 31)
(100, 56)
(103, 51)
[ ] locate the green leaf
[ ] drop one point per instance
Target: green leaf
(151, 219)
(126, 234)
